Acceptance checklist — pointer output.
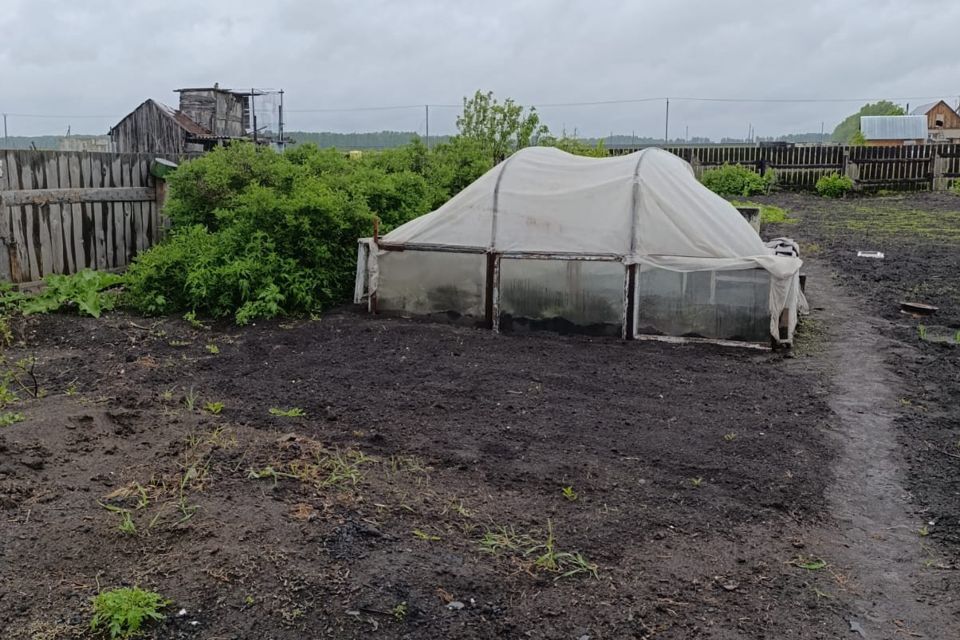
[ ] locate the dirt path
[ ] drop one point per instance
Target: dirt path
(877, 547)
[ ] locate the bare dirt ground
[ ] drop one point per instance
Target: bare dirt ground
(719, 493)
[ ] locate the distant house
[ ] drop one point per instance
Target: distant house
(893, 131)
(207, 117)
(943, 122)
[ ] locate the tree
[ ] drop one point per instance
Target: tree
(500, 129)
(850, 127)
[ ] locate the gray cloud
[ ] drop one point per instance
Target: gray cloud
(105, 57)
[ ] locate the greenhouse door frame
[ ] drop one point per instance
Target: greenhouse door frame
(492, 299)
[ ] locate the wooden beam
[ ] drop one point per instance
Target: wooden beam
(73, 196)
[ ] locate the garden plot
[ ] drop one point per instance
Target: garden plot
(356, 476)
(355, 473)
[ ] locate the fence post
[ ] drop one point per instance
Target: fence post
(937, 180)
(851, 169)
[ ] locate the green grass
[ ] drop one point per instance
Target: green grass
(11, 417)
(810, 564)
(537, 553)
(769, 214)
(292, 412)
(885, 218)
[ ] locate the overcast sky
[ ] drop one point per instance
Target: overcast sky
(102, 58)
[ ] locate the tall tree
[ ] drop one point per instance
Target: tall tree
(846, 132)
(500, 129)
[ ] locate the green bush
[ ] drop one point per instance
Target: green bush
(833, 185)
(122, 612)
(258, 234)
(956, 187)
(737, 180)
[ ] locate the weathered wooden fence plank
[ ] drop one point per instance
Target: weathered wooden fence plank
(63, 211)
(56, 197)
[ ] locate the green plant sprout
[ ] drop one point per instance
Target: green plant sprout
(292, 412)
(122, 612)
(213, 407)
(569, 494)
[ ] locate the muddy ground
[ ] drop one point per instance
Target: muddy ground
(420, 492)
(920, 237)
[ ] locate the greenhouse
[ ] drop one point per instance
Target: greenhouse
(631, 246)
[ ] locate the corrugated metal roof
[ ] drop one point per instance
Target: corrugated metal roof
(894, 127)
(924, 108)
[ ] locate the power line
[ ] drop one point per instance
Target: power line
(591, 103)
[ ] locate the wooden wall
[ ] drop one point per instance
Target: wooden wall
(951, 120)
(149, 129)
(911, 167)
(221, 112)
(63, 211)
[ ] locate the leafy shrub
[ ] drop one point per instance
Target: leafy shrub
(956, 187)
(833, 185)
(258, 234)
(737, 180)
(121, 612)
(89, 292)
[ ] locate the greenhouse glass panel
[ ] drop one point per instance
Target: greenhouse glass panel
(570, 296)
(432, 282)
(731, 305)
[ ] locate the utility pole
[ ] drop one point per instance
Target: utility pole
(280, 142)
(686, 134)
(666, 124)
(821, 132)
(4, 127)
(426, 110)
(253, 112)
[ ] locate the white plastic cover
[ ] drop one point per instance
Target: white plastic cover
(646, 207)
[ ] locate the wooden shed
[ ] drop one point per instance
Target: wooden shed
(156, 128)
(206, 118)
(943, 122)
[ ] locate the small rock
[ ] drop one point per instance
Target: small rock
(584, 637)
(855, 627)
(181, 613)
(456, 605)
(731, 585)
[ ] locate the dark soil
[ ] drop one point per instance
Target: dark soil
(698, 471)
(920, 236)
(705, 492)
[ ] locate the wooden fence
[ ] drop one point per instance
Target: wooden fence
(63, 211)
(912, 167)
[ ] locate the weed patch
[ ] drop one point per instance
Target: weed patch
(122, 612)
(292, 412)
(537, 552)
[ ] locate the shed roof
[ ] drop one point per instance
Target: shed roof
(894, 127)
(924, 109)
(185, 121)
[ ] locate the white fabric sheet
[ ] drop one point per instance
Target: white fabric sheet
(646, 207)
